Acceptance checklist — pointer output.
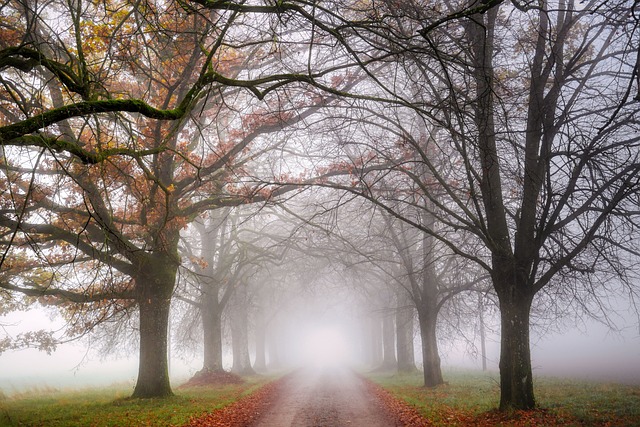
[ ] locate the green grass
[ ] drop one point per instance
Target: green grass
(591, 402)
(467, 395)
(470, 392)
(112, 407)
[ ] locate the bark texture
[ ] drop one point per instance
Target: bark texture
(516, 374)
(430, 356)
(155, 285)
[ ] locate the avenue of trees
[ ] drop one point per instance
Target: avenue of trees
(204, 154)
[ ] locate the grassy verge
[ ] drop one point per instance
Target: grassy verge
(112, 407)
(469, 398)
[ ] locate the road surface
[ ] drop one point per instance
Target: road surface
(325, 397)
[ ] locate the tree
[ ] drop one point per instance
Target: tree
(540, 243)
(225, 250)
(536, 174)
(405, 316)
(220, 269)
(239, 324)
(57, 198)
(110, 225)
(392, 175)
(529, 169)
(431, 278)
(523, 172)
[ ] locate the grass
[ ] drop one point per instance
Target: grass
(111, 406)
(466, 399)
(471, 397)
(591, 403)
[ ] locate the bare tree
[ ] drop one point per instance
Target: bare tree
(534, 155)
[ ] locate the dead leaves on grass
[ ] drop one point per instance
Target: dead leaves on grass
(205, 378)
(406, 415)
(450, 417)
(534, 418)
(242, 412)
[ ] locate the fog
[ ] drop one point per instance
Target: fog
(321, 331)
(598, 354)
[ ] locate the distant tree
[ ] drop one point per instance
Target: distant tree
(227, 248)
(405, 332)
(431, 277)
(216, 268)
(239, 324)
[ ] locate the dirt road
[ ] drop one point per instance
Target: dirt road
(325, 397)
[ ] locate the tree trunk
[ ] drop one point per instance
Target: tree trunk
(389, 360)
(430, 354)
(272, 346)
(375, 342)
(427, 307)
(483, 344)
(240, 336)
(516, 375)
(260, 364)
(404, 335)
(212, 328)
(156, 285)
(240, 344)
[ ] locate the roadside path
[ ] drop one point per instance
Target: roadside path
(333, 397)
